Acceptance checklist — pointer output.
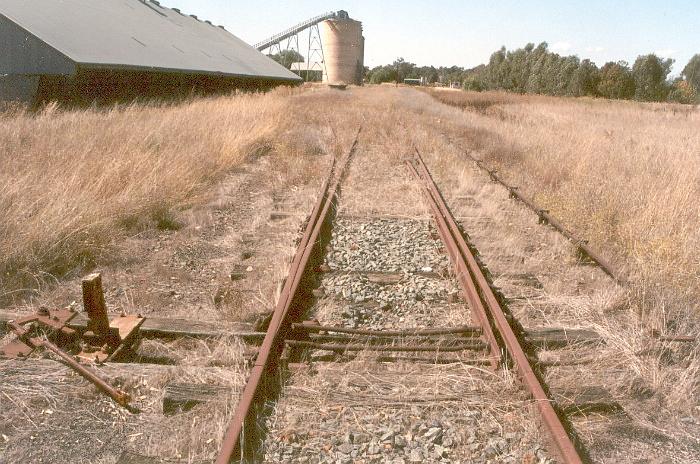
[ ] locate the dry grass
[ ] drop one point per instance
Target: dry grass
(213, 169)
(625, 175)
(76, 182)
(53, 415)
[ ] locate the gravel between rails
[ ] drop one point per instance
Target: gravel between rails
(421, 293)
(363, 411)
(371, 413)
(388, 245)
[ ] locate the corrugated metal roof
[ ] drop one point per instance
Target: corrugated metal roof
(139, 35)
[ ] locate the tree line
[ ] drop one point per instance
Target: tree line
(401, 69)
(536, 70)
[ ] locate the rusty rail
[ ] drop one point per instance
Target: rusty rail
(240, 437)
(469, 290)
(546, 218)
(463, 257)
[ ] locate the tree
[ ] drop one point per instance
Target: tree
(691, 72)
(550, 72)
(287, 57)
(567, 69)
(650, 73)
(474, 83)
(382, 74)
(616, 81)
(519, 69)
(404, 69)
(682, 92)
(585, 79)
(429, 73)
(538, 59)
(497, 69)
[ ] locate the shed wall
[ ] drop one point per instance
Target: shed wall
(23, 53)
(18, 88)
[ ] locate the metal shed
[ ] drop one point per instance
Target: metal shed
(95, 49)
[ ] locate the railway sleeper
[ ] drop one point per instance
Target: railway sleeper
(447, 340)
(340, 347)
(181, 397)
(586, 400)
(437, 358)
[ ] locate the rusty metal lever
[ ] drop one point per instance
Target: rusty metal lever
(121, 397)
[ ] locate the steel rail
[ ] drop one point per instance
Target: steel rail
(563, 445)
(546, 218)
(462, 274)
(270, 351)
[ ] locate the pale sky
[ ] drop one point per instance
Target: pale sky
(465, 33)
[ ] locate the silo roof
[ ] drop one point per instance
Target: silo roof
(139, 35)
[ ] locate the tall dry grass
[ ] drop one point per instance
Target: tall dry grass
(82, 181)
(73, 182)
(70, 180)
(624, 175)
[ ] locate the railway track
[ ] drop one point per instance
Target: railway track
(309, 335)
(392, 318)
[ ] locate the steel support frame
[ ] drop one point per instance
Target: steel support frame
(315, 51)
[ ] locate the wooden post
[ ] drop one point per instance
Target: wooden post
(94, 304)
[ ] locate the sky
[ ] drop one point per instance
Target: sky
(465, 33)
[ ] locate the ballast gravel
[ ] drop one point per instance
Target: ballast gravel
(388, 245)
(393, 274)
(411, 302)
(395, 414)
(387, 274)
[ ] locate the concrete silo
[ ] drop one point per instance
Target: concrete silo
(343, 50)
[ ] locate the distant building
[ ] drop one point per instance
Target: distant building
(86, 50)
(413, 81)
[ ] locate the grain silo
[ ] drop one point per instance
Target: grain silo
(343, 49)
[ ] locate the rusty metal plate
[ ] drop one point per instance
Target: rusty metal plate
(51, 320)
(16, 349)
